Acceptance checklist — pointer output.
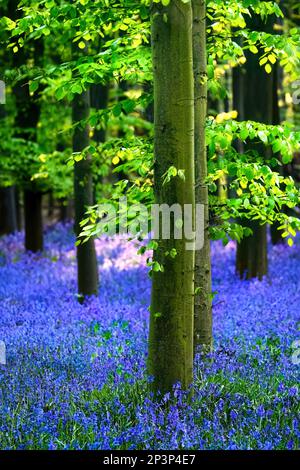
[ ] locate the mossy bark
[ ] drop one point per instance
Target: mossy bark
(203, 308)
(87, 269)
(172, 303)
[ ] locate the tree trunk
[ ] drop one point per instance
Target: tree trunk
(8, 213)
(203, 309)
(276, 235)
(251, 258)
(172, 303)
(66, 212)
(99, 101)
(252, 253)
(26, 121)
(87, 268)
(33, 221)
(19, 210)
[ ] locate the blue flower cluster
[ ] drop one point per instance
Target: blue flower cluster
(75, 375)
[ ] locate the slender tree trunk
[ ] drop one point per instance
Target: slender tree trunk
(276, 235)
(252, 253)
(203, 309)
(99, 101)
(26, 121)
(8, 214)
(149, 111)
(172, 303)
(51, 206)
(33, 234)
(87, 268)
(66, 210)
(19, 210)
(33, 221)
(251, 260)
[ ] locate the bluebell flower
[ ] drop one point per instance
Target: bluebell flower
(76, 374)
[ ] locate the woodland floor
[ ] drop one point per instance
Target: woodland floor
(75, 374)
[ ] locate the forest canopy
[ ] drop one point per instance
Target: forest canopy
(149, 152)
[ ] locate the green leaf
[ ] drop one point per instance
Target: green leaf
(244, 134)
(276, 147)
(210, 72)
(117, 109)
(60, 93)
(263, 136)
(249, 173)
(268, 68)
(246, 203)
(33, 86)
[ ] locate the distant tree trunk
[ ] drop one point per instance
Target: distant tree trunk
(172, 303)
(257, 106)
(252, 253)
(276, 235)
(149, 111)
(66, 211)
(99, 100)
(26, 121)
(51, 206)
(8, 214)
(33, 221)
(87, 268)
(203, 308)
(19, 210)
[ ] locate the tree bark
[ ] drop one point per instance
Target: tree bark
(203, 308)
(251, 260)
(8, 214)
(26, 122)
(19, 210)
(33, 221)
(276, 234)
(87, 268)
(99, 101)
(172, 303)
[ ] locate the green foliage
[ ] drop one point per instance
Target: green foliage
(112, 45)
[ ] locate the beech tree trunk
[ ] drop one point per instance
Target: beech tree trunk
(8, 214)
(26, 121)
(28, 112)
(8, 209)
(172, 303)
(251, 260)
(203, 308)
(276, 235)
(87, 268)
(99, 101)
(33, 221)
